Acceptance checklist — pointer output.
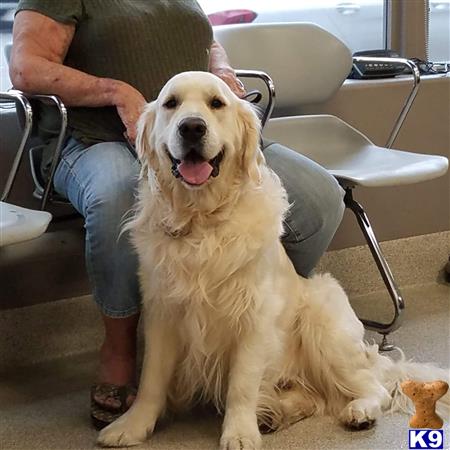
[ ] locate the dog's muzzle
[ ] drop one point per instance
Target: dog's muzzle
(193, 168)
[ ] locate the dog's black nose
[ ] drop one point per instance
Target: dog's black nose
(192, 129)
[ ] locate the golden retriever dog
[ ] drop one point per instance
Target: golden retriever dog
(228, 321)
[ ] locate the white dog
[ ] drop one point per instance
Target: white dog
(227, 318)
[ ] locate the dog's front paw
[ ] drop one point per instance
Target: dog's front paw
(240, 432)
(360, 414)
(240, 443)
(124, 432)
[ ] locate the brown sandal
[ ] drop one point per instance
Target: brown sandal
(103, 414)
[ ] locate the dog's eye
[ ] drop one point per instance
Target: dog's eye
(171, 103)
(217, 103)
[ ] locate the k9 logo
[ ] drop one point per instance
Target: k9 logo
(426, 439)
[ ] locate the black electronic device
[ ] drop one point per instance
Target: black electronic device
(376, 69)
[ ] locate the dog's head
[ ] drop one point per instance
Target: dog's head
(198, 132)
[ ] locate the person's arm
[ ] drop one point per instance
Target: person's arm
(39, 48)
(220, 66)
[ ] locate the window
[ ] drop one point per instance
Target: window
(439, 30)
(358, 23)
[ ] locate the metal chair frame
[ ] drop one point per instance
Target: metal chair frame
(18, 98)
(24, 99)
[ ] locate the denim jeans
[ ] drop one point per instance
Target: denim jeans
(100, 181)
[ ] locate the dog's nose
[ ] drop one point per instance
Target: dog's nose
(192, 129)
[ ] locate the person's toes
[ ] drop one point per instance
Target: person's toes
(109, 401)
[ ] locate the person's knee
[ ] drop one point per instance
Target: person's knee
(109, 207)
(317, 213)
(331, 206)
(315, 196)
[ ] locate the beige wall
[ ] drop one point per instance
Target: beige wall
(371, 107)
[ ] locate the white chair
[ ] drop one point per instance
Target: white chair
(308, 65)
(19, 224)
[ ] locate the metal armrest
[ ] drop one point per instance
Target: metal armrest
(412, 95)
(270, 89)
(50, 100)
(17, 97)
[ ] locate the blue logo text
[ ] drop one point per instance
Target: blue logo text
(426, 439)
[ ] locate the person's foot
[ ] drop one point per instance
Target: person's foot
(115, 370)
(116, 379)
(109, 402)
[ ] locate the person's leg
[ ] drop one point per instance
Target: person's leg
(316, 205)
(100, 182)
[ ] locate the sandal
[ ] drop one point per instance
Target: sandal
(102, 414)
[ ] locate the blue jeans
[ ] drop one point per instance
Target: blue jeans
(100, 181)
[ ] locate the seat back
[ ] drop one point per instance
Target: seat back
(307, 63)
(12, 128)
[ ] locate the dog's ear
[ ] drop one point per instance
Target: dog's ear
(251, 131)
(144, 131)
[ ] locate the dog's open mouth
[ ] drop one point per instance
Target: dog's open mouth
(195, 170)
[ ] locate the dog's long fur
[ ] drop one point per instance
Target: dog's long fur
(228, 320)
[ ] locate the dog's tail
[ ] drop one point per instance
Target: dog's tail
(393, 373)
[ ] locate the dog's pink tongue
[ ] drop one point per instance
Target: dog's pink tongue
(195, 173)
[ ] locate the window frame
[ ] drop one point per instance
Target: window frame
(407, 28)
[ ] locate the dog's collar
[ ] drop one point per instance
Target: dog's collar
(174, 233)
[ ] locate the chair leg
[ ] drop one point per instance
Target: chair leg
(385, 271)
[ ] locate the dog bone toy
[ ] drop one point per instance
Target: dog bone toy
(424, 396)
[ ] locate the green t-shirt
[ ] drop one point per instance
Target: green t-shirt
(141, 42)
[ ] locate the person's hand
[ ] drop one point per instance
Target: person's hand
(130, 104)
(228, 75)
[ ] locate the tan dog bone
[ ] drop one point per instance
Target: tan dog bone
(424, 396)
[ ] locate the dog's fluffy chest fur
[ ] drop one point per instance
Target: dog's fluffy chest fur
(201, 257)
(207, 272)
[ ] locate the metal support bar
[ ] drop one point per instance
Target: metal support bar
(17, 97)
(270, 89)
(383, 268)
(59, 143)
(411, 97)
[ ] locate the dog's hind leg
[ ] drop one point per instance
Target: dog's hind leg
(368, 397)
(158, 366)
(295, 405)
(335, 359)
(285, 406)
